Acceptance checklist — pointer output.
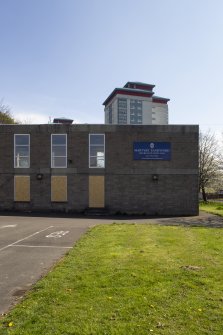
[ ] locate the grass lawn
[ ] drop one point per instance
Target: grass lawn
(212, 207)
(129, 279)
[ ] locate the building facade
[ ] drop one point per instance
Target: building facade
(124, 169)
(135, 104)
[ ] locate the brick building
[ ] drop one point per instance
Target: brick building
(129, 169)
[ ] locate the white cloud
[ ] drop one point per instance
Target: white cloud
(31, 118)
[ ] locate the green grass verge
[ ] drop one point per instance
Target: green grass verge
(212, 207)
(129, 279)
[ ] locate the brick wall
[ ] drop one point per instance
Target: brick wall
(129, 184)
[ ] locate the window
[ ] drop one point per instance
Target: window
(110, 114)
(96, 150)
(135, 111)
(21, 151)
(58, 150)
(122, 111)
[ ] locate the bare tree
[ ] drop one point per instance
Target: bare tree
(209, 161)
(5, 114)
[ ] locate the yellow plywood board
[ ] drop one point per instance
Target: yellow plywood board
(96, 192)
(59, 188)
(22, 188)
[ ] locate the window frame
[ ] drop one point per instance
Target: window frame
(89, 151)
(110, 114)
(58, 167)
(122, 112)
(136, 114)
(21, 167)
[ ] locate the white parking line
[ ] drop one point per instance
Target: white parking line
(40, 246)
(25, 238)
(8, 226)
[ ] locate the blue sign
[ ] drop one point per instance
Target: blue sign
(152, 151)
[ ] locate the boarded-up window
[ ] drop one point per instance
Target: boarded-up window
(22, 188)
(96, 192)
(59, 188)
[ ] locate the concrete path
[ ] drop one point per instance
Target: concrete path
(31, 245)
(203, 220)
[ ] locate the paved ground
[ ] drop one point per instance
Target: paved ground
(30, 245)
(203, 220)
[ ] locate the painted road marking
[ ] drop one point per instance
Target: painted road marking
(9, 226)
(58, 234)
(40, 246)
(25, 238)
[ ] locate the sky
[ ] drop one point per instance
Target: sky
(62, 58)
